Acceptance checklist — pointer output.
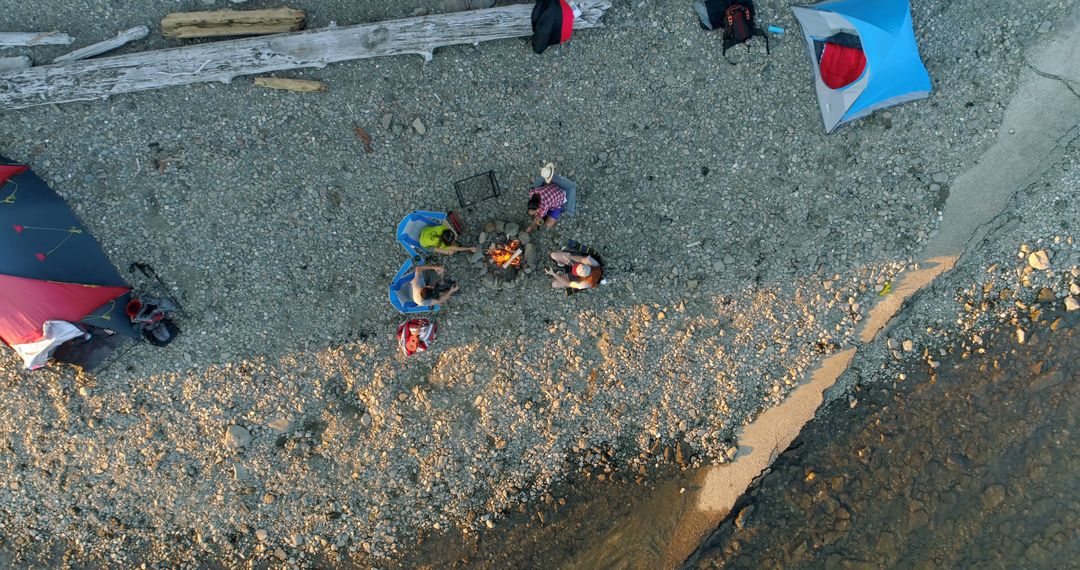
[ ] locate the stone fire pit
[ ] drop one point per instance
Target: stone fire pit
(496, 261)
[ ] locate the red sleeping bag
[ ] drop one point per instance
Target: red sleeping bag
(841, 65)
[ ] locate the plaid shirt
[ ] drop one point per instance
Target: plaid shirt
(551, 198)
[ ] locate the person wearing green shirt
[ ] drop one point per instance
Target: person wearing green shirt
(442, 239)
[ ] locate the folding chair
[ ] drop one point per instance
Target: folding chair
(401, 291)
(567, 186)
(408, 231)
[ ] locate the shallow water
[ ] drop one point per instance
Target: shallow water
(969, 467)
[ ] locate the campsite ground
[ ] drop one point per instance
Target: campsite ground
(744, 245)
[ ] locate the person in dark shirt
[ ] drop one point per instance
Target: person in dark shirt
(429, 288)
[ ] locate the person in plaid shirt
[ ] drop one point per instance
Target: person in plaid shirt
(545, 202)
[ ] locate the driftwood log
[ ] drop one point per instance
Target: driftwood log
(136, 33)
(22, 39)
(448, 6)
(301, 85)
(231, 23)
(9, 64)
(100, 78)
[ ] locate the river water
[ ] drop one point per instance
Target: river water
(969, 466)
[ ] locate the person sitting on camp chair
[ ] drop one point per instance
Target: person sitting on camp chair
(578, 271)
(441, 239)
(546, 202)
(429, 287)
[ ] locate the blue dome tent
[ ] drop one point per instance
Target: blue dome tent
(864, 57)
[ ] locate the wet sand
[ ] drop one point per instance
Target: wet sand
(580, 514)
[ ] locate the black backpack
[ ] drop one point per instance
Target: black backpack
(736, 17)
(549, 24)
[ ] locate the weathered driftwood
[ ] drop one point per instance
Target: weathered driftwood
(136, 33)
(9, 64)
(231, 23)
(100, 78)
(448, 6)
(18, 39)
(302, 85)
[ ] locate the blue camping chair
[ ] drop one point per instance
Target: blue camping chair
(567, 186)
(401, 292)
(408, 231)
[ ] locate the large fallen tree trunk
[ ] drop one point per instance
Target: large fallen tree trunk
(222, 61)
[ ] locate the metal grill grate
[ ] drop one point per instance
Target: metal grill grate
(476, 189)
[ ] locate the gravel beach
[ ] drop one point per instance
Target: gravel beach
(743, 245)
(937, 437)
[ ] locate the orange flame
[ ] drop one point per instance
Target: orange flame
(500, 254)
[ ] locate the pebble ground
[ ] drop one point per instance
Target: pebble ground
(283, 425)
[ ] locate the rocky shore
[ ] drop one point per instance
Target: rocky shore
(284, 427)
(942, 447)
(958, 465)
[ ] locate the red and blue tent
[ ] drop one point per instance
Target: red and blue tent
(51, 268)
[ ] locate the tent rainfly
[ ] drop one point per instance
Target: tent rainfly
(864, 57)
(52, 271)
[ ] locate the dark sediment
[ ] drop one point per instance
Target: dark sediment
(579, 514)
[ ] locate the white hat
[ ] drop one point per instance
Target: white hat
(548, 172)
(582, 270)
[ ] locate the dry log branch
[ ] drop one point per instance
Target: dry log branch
(23, 39)
(9, 64)
(100, 78)
(301, 85)
(136, 33)
(231, 23)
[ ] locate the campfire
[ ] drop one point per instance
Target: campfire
(506, 255)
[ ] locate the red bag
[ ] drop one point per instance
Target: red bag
(415, 335)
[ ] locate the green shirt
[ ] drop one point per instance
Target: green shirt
(430, 236)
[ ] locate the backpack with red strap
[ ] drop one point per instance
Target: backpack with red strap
(735, 17)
